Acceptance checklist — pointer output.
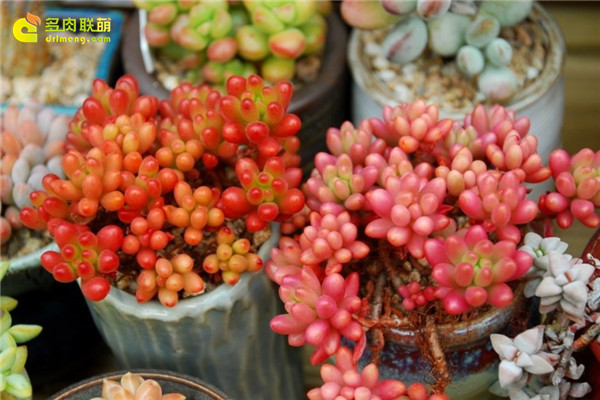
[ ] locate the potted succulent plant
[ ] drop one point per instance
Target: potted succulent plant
(207, 41)
(33, 140)
(59, 53)
(418, 243)
(163, 218)
(140, 384)
(14, 382)
(457, 54)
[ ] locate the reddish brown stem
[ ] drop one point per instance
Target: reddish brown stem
(388, 264)
(437, 357)
(587, 337)
(377, 340)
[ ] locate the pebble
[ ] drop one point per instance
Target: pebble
(386, 75)
(532, 72)
(66, 81)
(381, 62)
(438, 79)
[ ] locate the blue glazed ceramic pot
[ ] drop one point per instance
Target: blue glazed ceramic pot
(222, 337)
(471, 360)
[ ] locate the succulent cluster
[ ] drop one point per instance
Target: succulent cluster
(14, 383)
(32, 145)
(468, 31)
(411, 217)
(541, 360)
(134, 386)
(169, 193)
(217, 39)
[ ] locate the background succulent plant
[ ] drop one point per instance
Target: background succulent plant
(33, 140)
(468, 31)
(134, 386)
(217, 39)
(13, 379)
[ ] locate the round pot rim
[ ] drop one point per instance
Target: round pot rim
(156, 374)
(307, 93)
(549, 75)
(31, 260)
(223, 296)
(461, 333)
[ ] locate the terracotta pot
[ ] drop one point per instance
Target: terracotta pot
(542, 101)
(170, 382)
(222, 337)
(472, 362)
(320, 104)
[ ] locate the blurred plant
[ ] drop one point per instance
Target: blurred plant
(415, 222)
(32, 145)
(134, 386)
(162, 196)
(216, 39)
(14, 383)
(466, 30)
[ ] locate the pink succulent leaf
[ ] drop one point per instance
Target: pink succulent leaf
(323, 321)
(467, 260)
(333, 238)
(345, 381)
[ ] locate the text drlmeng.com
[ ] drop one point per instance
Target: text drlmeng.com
(77, 39)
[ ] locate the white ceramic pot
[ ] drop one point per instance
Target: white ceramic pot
(26, 273)
(542, 101)
(222, 337)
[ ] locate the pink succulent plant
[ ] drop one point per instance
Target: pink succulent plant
(409, 209)
(471, 270)
(319, 313)
(577, 188)
(411, 216)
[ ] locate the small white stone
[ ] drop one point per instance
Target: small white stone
(403, 92)
(386, 75)
(381, 62)
(373, 49)
(532, 72)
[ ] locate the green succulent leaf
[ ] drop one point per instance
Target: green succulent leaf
(7, 358)
(7, 341)
(3, 268)
(18, 385)
(19, 361)
(5, 321)
(2, 383)
(24, 332)
(7, 303)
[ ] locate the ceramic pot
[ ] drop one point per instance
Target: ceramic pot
(319, 104)
(25, 273)
(471, 360)
(222, 337)
(170, 382)
(542, 101)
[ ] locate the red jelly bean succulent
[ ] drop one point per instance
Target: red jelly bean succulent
(419, 220)
(165, 196)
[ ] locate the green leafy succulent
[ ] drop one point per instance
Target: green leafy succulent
(14, 383)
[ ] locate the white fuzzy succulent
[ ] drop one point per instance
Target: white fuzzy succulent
(520, 356)
(539, 249)
(565, 284)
